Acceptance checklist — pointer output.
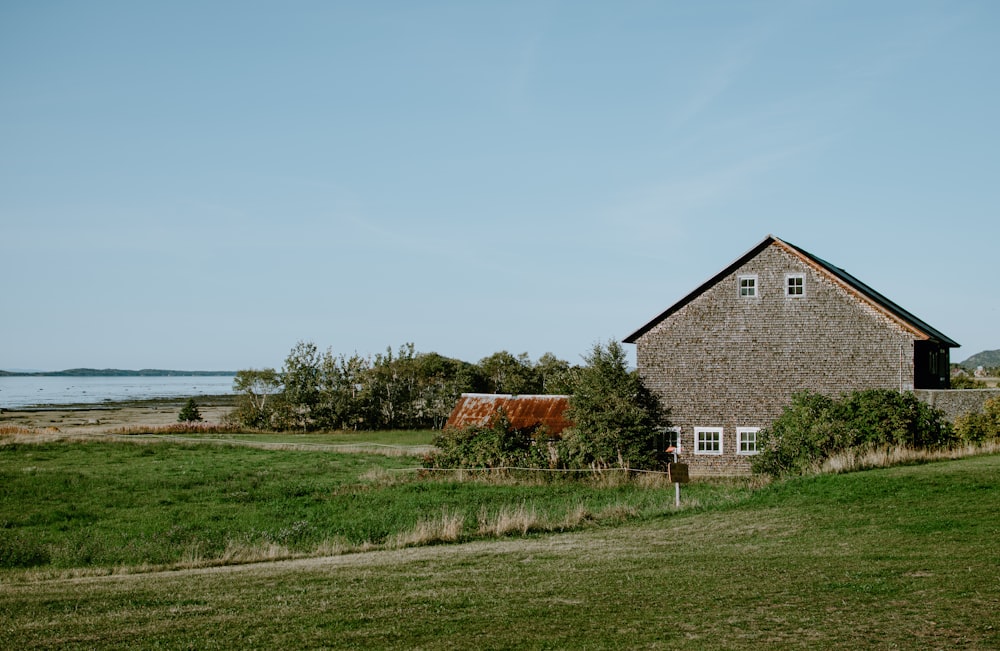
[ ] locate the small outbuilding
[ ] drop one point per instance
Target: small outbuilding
(524, 411)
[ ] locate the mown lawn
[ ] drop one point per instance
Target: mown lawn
(898, 558)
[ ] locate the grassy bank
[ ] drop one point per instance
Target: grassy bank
(898, 558)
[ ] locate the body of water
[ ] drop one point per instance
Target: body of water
(28, 391)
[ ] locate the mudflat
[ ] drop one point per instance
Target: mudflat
(107, 417)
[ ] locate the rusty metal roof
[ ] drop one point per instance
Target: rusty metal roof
(524, 412)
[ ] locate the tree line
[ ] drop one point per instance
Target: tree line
(401, 389)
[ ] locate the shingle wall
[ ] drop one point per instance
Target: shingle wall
(729, 361)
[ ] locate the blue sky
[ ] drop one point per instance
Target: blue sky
(199, 185)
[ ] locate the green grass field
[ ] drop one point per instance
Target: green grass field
(143, 503)
(906, 557)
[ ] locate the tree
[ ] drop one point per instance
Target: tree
(505, 373)
(556, 375)
(256, 406)
(615, 417)
(300, 377)
(392, 383)
(189, 412)
(343, 401)
(440, 381)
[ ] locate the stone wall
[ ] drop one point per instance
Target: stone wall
(957, 402)
(729, 361)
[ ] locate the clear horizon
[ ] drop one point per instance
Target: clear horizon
(278, 366)
(199, 186)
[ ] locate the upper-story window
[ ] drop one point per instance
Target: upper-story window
(795, 285)
(748, 286)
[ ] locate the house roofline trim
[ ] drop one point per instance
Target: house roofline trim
(919, 328)
(846, 281)
(632, 338)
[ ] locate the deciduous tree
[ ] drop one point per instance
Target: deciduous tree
(301, 378)
(505, 373)
(257, 389)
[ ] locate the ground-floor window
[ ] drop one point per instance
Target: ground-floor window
(746, 440)
(708, 440)
(667, 437)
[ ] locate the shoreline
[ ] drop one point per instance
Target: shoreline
(80, 418)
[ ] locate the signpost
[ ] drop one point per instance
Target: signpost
(677, 473)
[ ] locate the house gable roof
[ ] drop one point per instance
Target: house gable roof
(919, 328)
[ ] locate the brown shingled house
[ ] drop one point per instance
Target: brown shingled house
(727, 357)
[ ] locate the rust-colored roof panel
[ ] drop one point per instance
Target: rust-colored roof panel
(524, 412)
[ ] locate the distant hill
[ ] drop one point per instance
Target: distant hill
(986, 359)
(114, 372)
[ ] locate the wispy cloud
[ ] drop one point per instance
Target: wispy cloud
(525, 54)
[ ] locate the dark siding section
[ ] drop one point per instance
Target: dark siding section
(931, 365)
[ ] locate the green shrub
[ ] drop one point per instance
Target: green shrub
(980, 426)
(814, 427)
(497, 445)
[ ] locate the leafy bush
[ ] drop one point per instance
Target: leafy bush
(497, 445)
(982, 425)
(814, 427)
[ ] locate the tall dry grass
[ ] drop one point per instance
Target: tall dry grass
(446, 527)
(19, 435)
(508, 520)
(174, 428)
(885, 457)
(26, 431)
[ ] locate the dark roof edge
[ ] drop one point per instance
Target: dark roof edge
(879, 299)
(767, 241)
(853, 283)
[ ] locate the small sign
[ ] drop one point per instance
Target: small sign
(677, 473)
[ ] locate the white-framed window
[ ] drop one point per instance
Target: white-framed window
(708, 440)
(747, 285)
(795, 285)
(668, 436)
(746, 440)
(673, 437)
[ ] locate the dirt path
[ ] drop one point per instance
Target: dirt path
(592, 541)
